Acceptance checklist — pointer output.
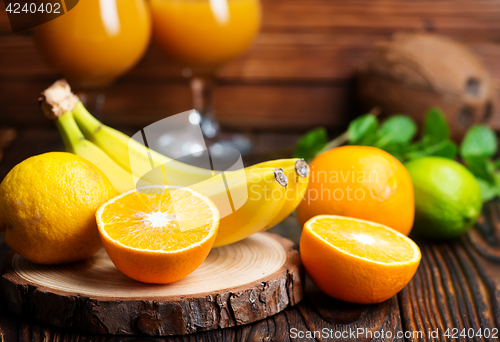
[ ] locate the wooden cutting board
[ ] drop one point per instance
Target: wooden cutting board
(237, 284)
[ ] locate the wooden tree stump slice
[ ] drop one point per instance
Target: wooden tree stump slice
(237, 284)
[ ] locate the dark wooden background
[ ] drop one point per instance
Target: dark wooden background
(298, 74)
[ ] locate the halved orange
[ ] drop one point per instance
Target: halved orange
(158, 234)
(355, 260)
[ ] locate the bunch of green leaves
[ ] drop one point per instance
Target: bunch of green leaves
(394, 135)
(477, 150)
(311, 144)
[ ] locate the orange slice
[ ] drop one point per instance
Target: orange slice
(158, 234)
(355, 260)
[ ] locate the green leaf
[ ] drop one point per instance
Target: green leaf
(397, 147)
(311, 143)
(361, 128)
(480, 141)
(397, 150)
(446, 149)
(435, 127)
(484, 171)
(497, 181)
(488, 190)
(398, 129)
(481, 168)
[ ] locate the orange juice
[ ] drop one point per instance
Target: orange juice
(96, 41)
(203, 34)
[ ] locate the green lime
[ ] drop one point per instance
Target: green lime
(447, 197)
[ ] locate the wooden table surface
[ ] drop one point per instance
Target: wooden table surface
(456, 286)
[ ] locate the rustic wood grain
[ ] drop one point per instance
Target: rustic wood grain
(459, 19)
(95, 297)
(465, 17)
(316, 311)
(241, 106)
(457, 285)
(7, 135)
(300, 66)
(275, 328)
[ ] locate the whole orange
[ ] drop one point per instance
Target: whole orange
(361, 182)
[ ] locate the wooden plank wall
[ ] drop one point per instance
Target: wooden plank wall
(297, 75)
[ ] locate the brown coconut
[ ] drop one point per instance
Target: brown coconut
(417, 71)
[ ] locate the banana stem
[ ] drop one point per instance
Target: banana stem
(86, 121)
(57, 100)
(69, 131)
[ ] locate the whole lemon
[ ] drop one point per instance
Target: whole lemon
(361, 182)
(48, 204)
(447, 197)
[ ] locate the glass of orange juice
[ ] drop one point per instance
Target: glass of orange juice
(202, 35)
(96, 42)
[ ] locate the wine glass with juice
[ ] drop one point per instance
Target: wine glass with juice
(95, 43)
(202, 35)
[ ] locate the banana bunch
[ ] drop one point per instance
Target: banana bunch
(250, 200)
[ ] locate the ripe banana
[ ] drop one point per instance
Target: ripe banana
(250, 200)
(266, 195)
(133, 156)
(297, 173)
(266, 189)
(75, 142)
(117, 145)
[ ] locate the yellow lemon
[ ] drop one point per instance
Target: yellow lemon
(48, 204)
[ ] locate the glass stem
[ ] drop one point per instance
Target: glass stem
(202, 89)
